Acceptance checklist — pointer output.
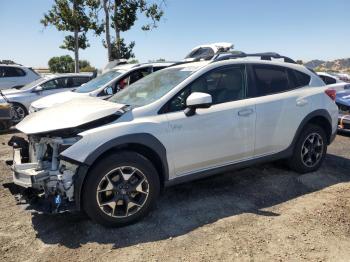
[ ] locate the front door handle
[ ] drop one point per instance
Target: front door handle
(245, 112)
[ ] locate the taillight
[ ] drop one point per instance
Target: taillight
(331, 93)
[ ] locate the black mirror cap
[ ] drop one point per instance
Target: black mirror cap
(191, 110)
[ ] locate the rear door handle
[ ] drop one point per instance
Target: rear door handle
(245, 112)
(302, 102)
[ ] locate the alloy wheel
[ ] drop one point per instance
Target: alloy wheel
(312, 150)
(18, 113)
(122, 192)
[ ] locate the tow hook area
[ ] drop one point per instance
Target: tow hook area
(33, 200)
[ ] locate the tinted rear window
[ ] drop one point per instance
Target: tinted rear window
(298, 79)
(270, 79)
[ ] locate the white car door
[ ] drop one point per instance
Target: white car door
(50, 87)
(281, 105)
(216, 136)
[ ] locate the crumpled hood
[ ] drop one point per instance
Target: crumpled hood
(56, 99)
(71, 114)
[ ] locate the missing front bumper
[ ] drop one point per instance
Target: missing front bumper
(41, 189)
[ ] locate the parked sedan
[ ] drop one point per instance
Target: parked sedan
(103, 86)
(51, 84)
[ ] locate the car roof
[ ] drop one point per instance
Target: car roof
(49, 76)
(197, 65)
(326, 74)
(126, 67)
(12, 65)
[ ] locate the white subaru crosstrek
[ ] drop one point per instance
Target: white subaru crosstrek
(111, 158)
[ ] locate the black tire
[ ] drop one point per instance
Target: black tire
(99, 173)
(296, 162)
(20, 111)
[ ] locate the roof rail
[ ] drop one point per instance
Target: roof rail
(187, 62)
(263, 56)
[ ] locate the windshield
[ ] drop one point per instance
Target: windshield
(34, 83)
(98, 82)
(152, 87)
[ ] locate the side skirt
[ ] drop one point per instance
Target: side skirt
(207, 173)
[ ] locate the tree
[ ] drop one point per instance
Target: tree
(61, 64)
(65, 64)
(76, 16)
(123, 15)
(300, 62)
(157, 60)
(125, 51)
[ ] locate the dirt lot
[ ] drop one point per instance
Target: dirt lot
(261, 213)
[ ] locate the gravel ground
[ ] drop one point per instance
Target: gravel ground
(262, 213)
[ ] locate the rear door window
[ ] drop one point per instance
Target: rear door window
(77, 81)
(270, 79)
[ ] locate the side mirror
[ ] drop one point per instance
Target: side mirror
(109, 90)
(38, 89)
(197, 100)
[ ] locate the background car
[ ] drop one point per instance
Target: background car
(16, 76)
(5, 116)
(50, 84)
(207, 52)
(343, 102)
(329, 78)
(103, 86)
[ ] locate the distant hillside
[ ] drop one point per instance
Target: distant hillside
(336, 65)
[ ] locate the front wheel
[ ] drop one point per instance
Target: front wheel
(20, 112)
(120, 189)
(310, 150)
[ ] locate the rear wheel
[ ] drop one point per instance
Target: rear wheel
(309, 150)
(120, 189)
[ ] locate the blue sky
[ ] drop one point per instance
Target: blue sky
(301, 29)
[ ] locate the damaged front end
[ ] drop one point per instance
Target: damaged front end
(39, 170)
(40, 175)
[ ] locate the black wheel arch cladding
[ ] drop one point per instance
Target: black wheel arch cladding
(144, 140)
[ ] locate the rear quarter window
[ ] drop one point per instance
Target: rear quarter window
(298, 79)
